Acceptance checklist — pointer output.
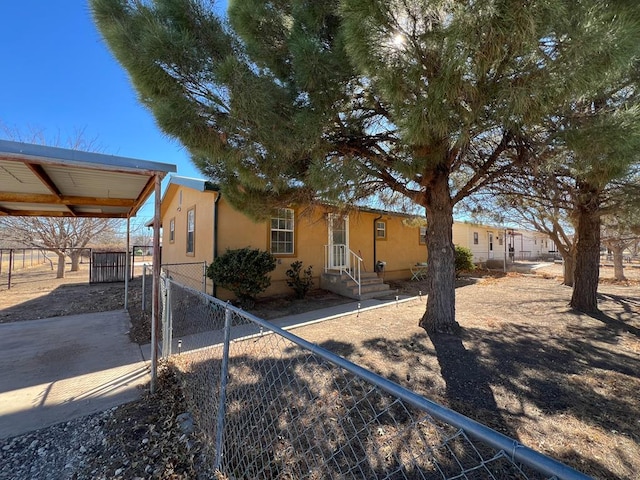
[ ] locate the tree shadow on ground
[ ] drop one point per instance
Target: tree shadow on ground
(468, 381)
(630, 310)
(531, 367)
(561, 375)
(294, 415)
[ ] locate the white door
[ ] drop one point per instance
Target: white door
(490, 244)
(338, 241)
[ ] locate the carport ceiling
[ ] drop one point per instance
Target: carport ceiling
(37, 180)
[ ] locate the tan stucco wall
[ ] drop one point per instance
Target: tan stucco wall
(176, 252)
(400, 249)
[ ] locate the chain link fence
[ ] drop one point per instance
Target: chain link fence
(27, 265)
(270, 405)
(193, 275)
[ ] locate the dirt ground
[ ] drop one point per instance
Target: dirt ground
(561, 382)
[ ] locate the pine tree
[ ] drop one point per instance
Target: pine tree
(327, 100)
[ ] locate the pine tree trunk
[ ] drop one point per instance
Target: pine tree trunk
(568, 268)
(587, 270)
(440, 316)
(618, 265)
(61, 265)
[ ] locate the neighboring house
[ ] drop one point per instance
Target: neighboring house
(488, 242)
(199, 225)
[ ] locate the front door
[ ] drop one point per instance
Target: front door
(338, 241)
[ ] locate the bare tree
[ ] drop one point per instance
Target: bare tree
(621, 231)
(62, 236)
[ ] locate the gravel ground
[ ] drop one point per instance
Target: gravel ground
(149, 439)
(57, 452)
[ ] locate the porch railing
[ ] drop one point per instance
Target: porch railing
(340, 257)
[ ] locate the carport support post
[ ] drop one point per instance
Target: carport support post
(127, 267)
(144, 287)
(156, 287)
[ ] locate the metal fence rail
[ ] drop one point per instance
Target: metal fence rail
(272, 405)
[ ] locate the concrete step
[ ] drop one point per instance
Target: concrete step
(363, 281)
(371, 285)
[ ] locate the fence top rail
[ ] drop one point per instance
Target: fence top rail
(184, 263)
(519, 452)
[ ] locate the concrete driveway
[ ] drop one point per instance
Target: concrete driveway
(56, 369)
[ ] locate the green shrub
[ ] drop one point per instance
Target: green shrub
(244, 271)
(300, 280)
(464, 260)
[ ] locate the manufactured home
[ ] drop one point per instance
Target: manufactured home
(351, 253)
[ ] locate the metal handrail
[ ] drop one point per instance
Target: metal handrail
(353, 265)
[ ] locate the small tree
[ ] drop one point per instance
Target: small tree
(300, 280)
(244, 271)
(464, 260)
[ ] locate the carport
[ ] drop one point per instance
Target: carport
(43, 181)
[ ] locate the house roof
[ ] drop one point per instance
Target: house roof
(197, 184)
(194, 183)
(203, 185)
(38, 180)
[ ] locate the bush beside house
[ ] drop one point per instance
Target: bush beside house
(243, 271)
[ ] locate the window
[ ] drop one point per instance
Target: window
(172, 230)
(475, 238)
(381, 229)
(191, 231)
(500, 242)
(282, 225)
(422, 238)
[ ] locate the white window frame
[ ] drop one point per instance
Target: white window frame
(282, 225)
(422, 235)
(191, 230)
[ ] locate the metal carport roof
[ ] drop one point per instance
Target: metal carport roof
(43, 181)
(37, 180)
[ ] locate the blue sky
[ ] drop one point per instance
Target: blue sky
(59, 77)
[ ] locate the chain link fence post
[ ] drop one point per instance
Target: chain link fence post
(166, 319)
(224, 376)
(144, 287)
